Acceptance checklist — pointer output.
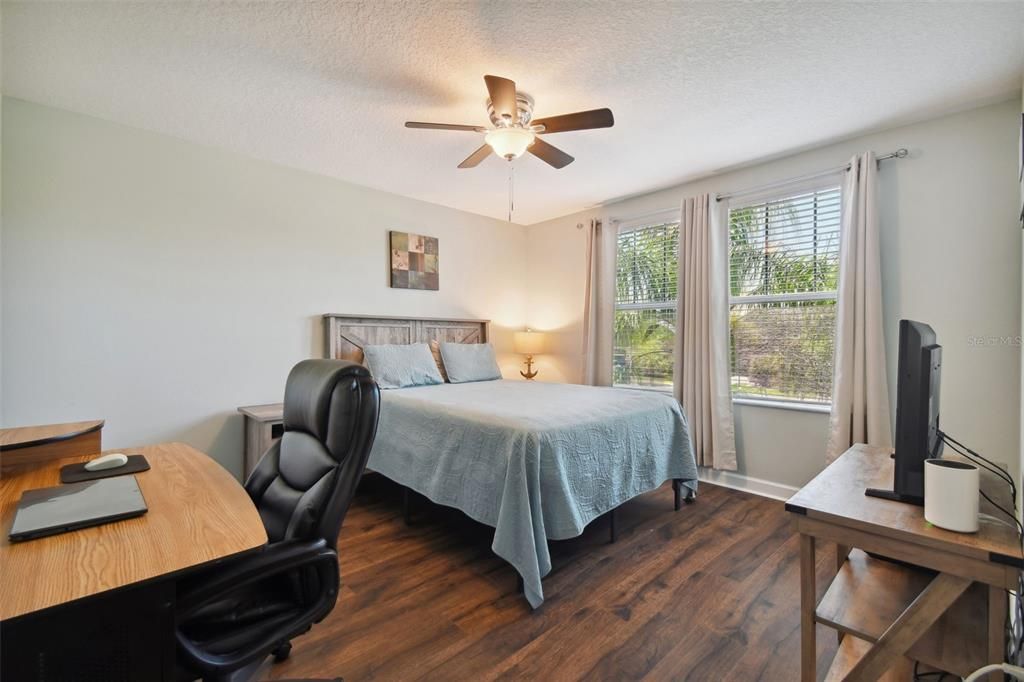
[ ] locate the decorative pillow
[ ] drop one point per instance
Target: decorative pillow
(466, 362)
(435, 350)
(400, 366)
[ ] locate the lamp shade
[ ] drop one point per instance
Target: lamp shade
(509, 143)
(529, 342)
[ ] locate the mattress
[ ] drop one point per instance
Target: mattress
(536, 461)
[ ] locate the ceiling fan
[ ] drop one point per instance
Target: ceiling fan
(515, 131)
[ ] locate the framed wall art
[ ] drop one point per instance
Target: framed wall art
(413, 261)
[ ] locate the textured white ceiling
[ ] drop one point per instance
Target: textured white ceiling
(326, 86)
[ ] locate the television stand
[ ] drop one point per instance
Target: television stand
(886, 494)
(944, 605)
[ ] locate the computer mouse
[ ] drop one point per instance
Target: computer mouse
(111, 461)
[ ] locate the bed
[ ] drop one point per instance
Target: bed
(535, 461)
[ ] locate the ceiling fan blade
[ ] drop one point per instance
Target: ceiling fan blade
(549, 154)
(476, 157)
(444, 126)
(581, 120)
(503, 96)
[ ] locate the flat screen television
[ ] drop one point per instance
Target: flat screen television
(917, 412)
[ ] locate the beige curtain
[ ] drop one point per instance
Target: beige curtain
(702, 331)
(860, 391)
(599, 305)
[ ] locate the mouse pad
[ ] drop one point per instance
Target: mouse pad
(73, 473)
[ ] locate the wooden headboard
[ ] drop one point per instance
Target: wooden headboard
(345, 335)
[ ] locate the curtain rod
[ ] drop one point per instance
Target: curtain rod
(642, 216)
(898, 154)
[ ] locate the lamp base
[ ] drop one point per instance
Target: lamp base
(529, 374)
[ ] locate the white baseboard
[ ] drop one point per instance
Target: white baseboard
(748, 484)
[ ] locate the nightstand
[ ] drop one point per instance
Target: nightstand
(264, 425)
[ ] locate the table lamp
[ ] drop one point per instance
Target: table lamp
(529, 343)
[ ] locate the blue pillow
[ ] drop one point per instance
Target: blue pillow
(464, 362)
(400, 366)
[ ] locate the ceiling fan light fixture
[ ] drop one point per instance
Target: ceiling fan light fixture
(516, 132)
(509, 143)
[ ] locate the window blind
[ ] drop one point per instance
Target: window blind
(645, 306)
(646, 265)
(783, 272)
(788, 245)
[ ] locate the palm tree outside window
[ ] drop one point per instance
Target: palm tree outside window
(645, 305)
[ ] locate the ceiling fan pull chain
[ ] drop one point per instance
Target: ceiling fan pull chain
(511, 191)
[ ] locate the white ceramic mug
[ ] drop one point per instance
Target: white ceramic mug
(951, 494)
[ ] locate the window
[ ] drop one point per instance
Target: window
(784, 265)
(645, 305)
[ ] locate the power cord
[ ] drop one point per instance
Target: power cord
(975, 457)
(1011, 670)
(1015, 627)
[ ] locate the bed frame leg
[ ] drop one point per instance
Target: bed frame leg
(611, 525)
(406, 507)
(677, 489)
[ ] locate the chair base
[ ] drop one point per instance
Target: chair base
(282, 652)
(245, 674)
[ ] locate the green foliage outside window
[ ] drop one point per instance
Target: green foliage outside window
(782, 349)
(779, 349)
(646, 283)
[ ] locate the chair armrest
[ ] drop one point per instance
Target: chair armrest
(273, 559)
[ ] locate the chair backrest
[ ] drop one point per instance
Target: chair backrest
(305, 482)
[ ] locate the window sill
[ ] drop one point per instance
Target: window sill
(749, 402)
(649, 389)
(783, 405)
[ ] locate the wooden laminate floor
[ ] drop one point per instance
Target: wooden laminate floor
(707, 593)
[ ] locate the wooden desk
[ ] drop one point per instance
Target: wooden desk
(952, 595)
(198, 514)
(33, 444)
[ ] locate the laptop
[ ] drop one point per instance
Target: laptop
(49, 511)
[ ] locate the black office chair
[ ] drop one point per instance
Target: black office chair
(235, 615)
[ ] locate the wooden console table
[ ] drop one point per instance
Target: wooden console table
(945, 605)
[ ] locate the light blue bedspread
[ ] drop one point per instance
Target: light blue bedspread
(535, 461)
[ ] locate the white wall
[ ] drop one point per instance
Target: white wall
(160, 284)
(951, 257)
